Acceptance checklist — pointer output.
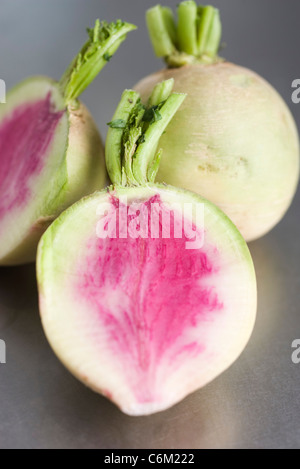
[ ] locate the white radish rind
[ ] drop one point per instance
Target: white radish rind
(233, 141)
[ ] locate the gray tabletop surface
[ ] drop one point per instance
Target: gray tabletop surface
(256, 403)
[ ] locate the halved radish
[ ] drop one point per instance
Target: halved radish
(147, 292)
(51, 153)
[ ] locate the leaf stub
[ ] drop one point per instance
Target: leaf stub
(117, 124)
(134, 133)
(195, 39)
(104, 40)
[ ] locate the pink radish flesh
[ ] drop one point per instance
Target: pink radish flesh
(25, 137)
(158, 291)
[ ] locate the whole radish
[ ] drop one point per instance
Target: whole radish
(157, 296)
(51, 153)
(234, 140)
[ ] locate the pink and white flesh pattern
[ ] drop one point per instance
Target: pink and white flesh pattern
(142, 320)
(51, 155)
(25, 139)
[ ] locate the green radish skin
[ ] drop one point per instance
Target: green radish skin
(138, 315)
(51, 152)
(78, 330)
(76, 167)
(234, 141)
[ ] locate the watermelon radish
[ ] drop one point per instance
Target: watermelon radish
(234, 140)
(158, 295)
(51, 153)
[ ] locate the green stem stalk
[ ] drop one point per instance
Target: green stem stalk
(187, 31)
(104, 40)
(195, 39)
(159, 30)
(161, 92)
(113, 148)
(205, 23)
(131, 146)
(214, 36)
(169, 21)
(144, 154)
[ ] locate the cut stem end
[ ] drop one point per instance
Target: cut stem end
(131, 145)
(195, 39)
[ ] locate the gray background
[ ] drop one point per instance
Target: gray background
(253, 405)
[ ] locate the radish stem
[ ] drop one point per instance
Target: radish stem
(187, 32)
(115, 135)
(134, 134)
(158, 23)
(161, 92)
(104, 40)
(210, 31)
(143, 154)
(169, 21)
(195, 39)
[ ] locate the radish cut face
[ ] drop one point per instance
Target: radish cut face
(25, 139)
(136, 310)
(33, 140)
